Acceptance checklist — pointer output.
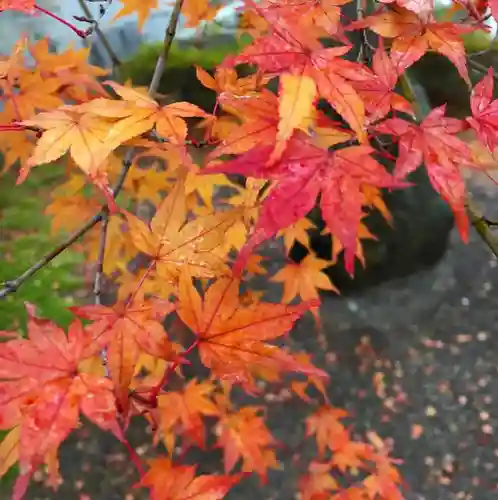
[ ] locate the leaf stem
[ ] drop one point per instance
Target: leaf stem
(74, 29)
(116, 62)
(171, 368)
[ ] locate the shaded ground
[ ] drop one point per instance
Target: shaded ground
(434, 340)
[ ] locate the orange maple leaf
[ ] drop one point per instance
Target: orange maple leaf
(143, 9)
(27, 6)
(127, 330)
(138, 113)
(174, 243)
(43, 391)
(232, 337)
(413, 35)
(182, 411)
(243, 435)
(167, 481)
(304, 279)
(83, 135)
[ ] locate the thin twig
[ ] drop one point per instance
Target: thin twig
(482, 226)
(99, 275)
(12, 286)
(168, 40)
(116, 62)
(481, 68)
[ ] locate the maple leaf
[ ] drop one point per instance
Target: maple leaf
(301, 174)
(318, 483)
(259, 114)
(484, 119)
(414, 36)
(138, 113)
(77, 78)
(434, 142)
(83, 135)
(303, 279)
(297, 232)
(127, 330)
(43, 390)
(11, 66)
(376, 86)
(385, 481)
(233, 337)
(226, 80)
(174, 244)
(302, 55)
(328, 429)
(196, 11)
(296, 99)
(142, 8)
(322, 18)
(243, 435)
(28, 94)
(26, 6)
(167, 481)
(185, 409)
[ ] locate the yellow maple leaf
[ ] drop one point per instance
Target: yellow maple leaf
(66, 129)
(296, 103)
(297, 232)
(304, 279)
(142, 8)
(138, 113)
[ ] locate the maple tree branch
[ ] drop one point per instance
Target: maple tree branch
(482, 225)
(168, 40)
(481, 68)
(116, 62)
(99, 274)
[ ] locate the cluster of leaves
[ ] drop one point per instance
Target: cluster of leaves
(189, 265)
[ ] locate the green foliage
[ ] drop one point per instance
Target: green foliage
(24, 238)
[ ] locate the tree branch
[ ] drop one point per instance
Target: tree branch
(12, 286)
(482, 226)
(116, 62)
(481, 68)
(168, 40)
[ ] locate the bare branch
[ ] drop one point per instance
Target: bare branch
(482, 226)
(168, 40)
(481, 68)
(116, 62)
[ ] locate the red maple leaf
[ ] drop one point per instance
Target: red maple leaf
(376, 86)
(127, 330)
(179, 482)
(27, 6)
(302, 173)
(484, 119)
(435, 143)
(297, 53)
(43, 391)
(413, 35)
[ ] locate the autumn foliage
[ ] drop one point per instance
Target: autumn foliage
(182, 277)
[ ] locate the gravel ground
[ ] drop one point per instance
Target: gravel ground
(432, 339)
